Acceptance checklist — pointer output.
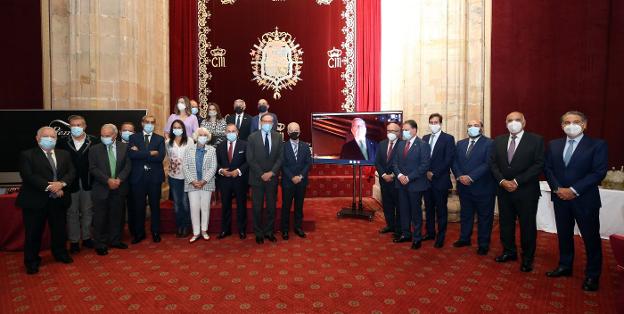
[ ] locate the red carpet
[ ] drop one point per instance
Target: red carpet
(343, 266)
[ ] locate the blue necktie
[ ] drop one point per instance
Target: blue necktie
(568, 153)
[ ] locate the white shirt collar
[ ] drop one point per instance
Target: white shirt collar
(518, 136)
(148, 134)
(577, 139)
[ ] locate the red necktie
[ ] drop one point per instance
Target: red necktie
(407, 147)
(389, 151)
(230, 152)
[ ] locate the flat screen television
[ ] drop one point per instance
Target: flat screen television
(349, 137)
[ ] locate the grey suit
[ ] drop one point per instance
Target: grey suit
(259, 163)
(107, 203)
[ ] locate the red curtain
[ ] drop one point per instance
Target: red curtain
(182, 49)
(368, 55)
(549, 57)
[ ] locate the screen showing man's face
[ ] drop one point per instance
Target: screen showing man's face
(358, 129)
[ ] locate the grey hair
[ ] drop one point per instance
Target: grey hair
(110, 126)
(196, 133)
(357, 119)
(576, 113)
(43, 128)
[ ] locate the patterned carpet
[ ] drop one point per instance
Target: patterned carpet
(344, 266)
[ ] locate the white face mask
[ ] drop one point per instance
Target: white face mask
(181, 106)
(435, 128)
(212, 113)
(391, 136)
(514, 126)
(573, 130)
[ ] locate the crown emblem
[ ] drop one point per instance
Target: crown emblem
(218, 52)
(334, 53)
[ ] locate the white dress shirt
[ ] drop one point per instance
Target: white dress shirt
(433, 139)
(264, 137)
(576, 140)
(78, 143)
(518, 138)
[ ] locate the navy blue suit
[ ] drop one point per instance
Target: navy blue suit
(294, 166)
(478, 197)
(233, 187)
(436, 197)
(351, 151)
(389, 193)
(586, 169)
(146, 178)
(414, 165)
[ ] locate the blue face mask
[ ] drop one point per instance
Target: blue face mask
(148, 128)
(407, 135)
(76, 131)
(474, 131)
(202, 140)
(194, 110)
(106, 140)
(266, 127)
(177, 132)
(125, 135)
(231, 136)
(47, 143)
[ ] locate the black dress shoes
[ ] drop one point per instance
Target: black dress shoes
(120, 245)
(242, 235)
(526, 267)
(416, 245)
(482, 250)
(223, 235)
(101, 251)
(271, 238)
(401, 239)
(88, 243)
(156, 237)
(74, 248)
(300, 233)
(385, 230)
(559, 272)
(285, 235)
(138, 239)
(461, 243)
(590, 284)
(186, 232)
(65, 259)
(438, 244)
(506, 257)
(428, 237)
(179, 233)
(31, 270)
(259, 240)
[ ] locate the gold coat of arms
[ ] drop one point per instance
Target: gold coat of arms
(276, 62)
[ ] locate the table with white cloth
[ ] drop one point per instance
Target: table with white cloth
(611, 213)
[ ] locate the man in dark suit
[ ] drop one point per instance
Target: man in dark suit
(516, 162)
(147, 152)
(295, 167)
(360, 147)
(476, 187)
(46, 176)
(110, 167)
(410, 164)
(265, 151)
(233, 180)
(263, 109)
(575, 166)
(80, 212)
(389, 193)
(436, 197)
(240, 119)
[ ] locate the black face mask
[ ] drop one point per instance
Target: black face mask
(262, 108)
(294, 135)
(238, 110)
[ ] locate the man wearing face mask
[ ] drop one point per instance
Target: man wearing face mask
(360, 147)
(436, 197)
(575, 167)
(240, 119)
(263, 109)
(110, 167)
(265, 151)
(516, 161)
(195, 111)
(233, 172)
(383, 164)
(476, 187)
(80, 213)
(127, 129)
(46, 174)
(147, 152)
(296, 164)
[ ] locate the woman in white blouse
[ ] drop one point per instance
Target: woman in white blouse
(176, 146)
(200, 165)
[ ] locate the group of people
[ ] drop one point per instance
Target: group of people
(84, 185)
(506, 169)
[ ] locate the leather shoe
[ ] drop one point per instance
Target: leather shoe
(88, 243)
(31, 270)
(506, 257)
(385, 230)
(438, 244)
(300, 233)
(285, 235)
(590, 284)
(461, 243)
(101, 251)
(401, 239)
(74, 248)
(186, 231)
(242, 235)
(120, 245)
(271, 238)
(482, 250)
(223, 235)
(65, 259)
(259, 240)
(559, 272)
(179, 233)
(136, 240)
(526, 267)
(428, 237)
(416, 245)
(156, 237)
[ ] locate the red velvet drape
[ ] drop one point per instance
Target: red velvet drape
(549, 57)
(183, 49)
(368, 53)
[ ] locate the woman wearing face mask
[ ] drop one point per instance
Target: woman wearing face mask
(195, 111)
(215, 124)
(199, 166)
(182, 112)
(176, 147)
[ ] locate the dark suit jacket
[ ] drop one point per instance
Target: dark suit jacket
(351, 151)
(141, 158)
(476, 167)
(101, 172)
(259, 162)
(525, 167)
(585, 171)
(294, 167)
(36, 172)
(414, 165)
(442, 160)
(255, 126)
(245, 128)
(383, 164)
(239, 161)
(80, 159)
